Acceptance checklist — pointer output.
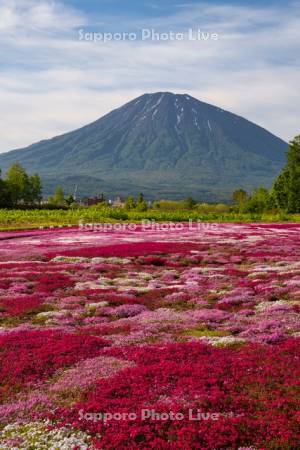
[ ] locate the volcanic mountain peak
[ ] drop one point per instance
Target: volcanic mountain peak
(162, 144)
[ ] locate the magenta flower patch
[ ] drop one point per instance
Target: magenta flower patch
(152, 339)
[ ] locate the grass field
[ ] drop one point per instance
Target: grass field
(28, 219)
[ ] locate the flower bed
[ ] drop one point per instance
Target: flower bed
(135, 320)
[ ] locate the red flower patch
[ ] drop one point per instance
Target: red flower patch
(252, 394)
(18, 306)
(130, 249)
(30, 356)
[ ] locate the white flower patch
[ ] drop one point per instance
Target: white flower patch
(222, 340)
(93, 306)
(69, 259)
(110, 260)
(267, 306)
(96, 260)
(89, 285)
(51, 314)
(36, 435)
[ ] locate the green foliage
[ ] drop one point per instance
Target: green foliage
(35, 189)
(5, 200)
(138, 205)
(130, 203)
(167, 205)
(189, 203)
(20, 189)
(218, 209)
(141, 205)
(140, 198)
(173, 205)
(259, 202)
(293, 166)
(69, 200)
(18, 182)
(285, 193)
(11, 219)
(286, 189)
(58, 199)
(239, 196)
(280, 190)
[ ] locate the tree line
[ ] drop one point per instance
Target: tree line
(285, 192)
(20, 189)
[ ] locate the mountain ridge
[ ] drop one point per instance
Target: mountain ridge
(161, 143)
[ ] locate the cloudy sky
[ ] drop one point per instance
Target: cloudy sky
(52, 80)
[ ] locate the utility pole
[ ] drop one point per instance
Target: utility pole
(75, 192)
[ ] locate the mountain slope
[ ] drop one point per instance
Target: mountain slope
(162, 144)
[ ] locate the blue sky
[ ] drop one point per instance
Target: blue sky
(52, 82)
(152, 7)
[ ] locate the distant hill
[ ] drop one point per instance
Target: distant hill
(162, 144)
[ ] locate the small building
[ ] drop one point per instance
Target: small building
(118, 203)
(91, 201)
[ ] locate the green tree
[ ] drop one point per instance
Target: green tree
(19, 184)
(259, 202)
(141, 205)
(19, 188)
(58, 199)
(286, 189)
(239, 196)
(5, 199)
(23, 189)
(130, 203)
(35, 189)
(141, 198)
(280, 190)
(69, 200)
(189, 203)
(293, 164)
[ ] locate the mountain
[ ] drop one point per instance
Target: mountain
(164, 145)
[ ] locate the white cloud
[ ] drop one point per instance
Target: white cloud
(35, 15)
(53, 83)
